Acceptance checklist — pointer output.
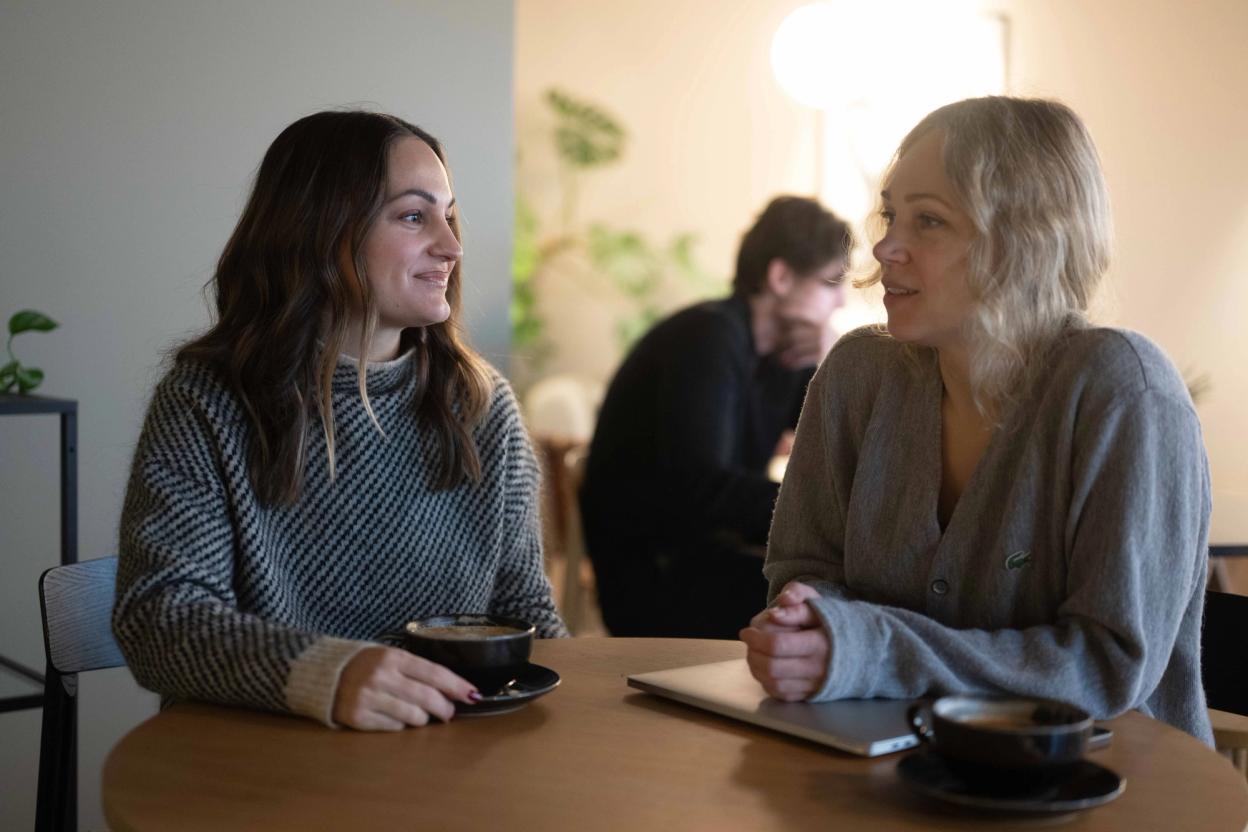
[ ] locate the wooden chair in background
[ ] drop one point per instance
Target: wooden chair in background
(578, 577)
(560, 411)
(563, 467)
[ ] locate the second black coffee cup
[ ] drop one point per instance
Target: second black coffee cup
(999, 736)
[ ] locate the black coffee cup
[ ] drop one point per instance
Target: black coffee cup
(487, 650)
(1003, 739)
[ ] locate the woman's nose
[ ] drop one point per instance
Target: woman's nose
(448, 246)
(889, 249)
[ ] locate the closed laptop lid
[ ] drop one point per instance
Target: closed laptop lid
(867, 727)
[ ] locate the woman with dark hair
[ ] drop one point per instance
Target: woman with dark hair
(992, 495)
(677, 501)
(330, 459)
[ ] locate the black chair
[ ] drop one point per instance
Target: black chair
(1224, 672)
(1224, 666)
(76, 602)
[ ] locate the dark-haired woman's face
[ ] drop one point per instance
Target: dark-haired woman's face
(410, 249)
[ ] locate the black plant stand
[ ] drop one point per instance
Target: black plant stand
(16, 673)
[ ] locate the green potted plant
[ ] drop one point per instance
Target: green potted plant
(13, 374)
(627, 263)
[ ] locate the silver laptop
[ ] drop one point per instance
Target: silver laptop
(868, 727)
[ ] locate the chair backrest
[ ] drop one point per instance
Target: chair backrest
(563, 407)
(571, 467)
(1224, 655)
(77, 606)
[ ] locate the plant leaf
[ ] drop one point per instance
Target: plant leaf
(8, 376)
(28, 378)
(525, 256)
(29, 319)
(585, 136)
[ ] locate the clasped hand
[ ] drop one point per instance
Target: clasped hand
(386, 689)
(788, 649)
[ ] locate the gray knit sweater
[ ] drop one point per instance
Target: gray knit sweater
(1073, 566)
(224, 600)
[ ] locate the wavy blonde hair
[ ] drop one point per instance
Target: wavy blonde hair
(1028, 176)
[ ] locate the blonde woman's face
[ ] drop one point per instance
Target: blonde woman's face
(923, 256)
(410, 249)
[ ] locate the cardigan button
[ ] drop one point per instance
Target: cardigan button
(940, 586)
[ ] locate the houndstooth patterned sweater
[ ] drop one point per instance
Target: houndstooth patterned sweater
(222, 599)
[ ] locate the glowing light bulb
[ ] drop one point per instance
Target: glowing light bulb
(805, 57)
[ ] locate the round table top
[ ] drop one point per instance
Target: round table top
(596, 754)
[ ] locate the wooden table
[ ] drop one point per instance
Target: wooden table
(595, 755)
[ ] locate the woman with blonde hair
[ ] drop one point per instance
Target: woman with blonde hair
(991, 494)
(330, 459)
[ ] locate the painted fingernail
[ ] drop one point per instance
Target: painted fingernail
(474, 696)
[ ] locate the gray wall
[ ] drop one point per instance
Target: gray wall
(128, 135)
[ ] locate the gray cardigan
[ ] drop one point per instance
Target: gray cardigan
(1073, 566)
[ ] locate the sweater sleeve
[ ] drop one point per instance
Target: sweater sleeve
(177, 617)
(807, 539)
(1135, 527)
(521, 589)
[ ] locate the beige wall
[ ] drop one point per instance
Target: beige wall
(1160, 83)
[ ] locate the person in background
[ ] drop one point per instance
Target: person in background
(992, 495)
(676, 500)
(330, 459)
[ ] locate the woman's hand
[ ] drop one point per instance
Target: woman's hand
(788, 649)
(387, 689)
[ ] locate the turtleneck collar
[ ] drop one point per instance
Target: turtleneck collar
(382, 376)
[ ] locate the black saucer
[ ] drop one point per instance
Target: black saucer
(1087, 785)
(533, 681)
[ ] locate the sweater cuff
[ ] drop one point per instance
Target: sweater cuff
(313, 681)
(850, 649)
(830, 589)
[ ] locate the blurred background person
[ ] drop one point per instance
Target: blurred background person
(676, 501)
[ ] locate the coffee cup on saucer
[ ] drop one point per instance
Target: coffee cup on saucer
(1008, 741)
(488, 650)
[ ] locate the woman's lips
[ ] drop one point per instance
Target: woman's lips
(894, 297)
(438, 277)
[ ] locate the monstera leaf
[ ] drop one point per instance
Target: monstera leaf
(585, 136)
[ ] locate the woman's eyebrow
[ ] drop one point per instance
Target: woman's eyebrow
(422, 193)
(912, 197)
(936, 197)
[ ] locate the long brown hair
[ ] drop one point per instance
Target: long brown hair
(285, 298)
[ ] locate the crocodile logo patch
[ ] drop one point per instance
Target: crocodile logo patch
(1018, 560)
